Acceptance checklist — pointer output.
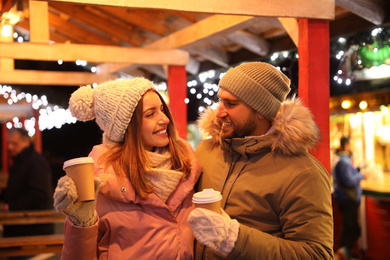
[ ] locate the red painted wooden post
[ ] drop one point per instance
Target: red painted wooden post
(38, 134)
(4, 150)
(177, 92)
(313, 87)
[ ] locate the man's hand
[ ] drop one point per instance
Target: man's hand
(216, 231)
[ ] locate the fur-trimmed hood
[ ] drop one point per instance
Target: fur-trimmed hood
(294, 130)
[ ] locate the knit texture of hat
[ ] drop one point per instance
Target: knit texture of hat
(259, 85)
(112, 103)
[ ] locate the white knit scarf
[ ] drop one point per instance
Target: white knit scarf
(160, 174)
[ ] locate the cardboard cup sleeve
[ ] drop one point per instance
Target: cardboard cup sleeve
(208, 199)
(81, 171)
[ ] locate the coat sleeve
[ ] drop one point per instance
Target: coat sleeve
(348, 175)
(79, 242)
(305, 214)
(38, 193)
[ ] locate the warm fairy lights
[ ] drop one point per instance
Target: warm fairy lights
(6, 30)
(50, 116)
(346, 104)
(203, 88)
(363, 105)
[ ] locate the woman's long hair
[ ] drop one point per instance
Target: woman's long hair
(128, 158)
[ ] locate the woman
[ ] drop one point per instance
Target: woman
(144, 176)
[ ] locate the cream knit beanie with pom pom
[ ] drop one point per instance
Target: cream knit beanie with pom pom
(112, 104)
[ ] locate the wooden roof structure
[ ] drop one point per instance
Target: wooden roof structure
(170, 39)
(142, 37)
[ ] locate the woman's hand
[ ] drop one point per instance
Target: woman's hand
(65, 201)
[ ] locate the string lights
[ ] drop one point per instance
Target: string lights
(366, 55)
(50, 116)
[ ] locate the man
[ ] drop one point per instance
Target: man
(347, 193)
(29, 184)
(276, 196)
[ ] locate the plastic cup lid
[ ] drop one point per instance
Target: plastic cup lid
(206, 196)
(79, 160)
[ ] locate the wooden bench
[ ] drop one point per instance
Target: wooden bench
(31, 245)
(31, 217)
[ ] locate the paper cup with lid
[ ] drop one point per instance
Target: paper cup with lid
(208, 199)
(81, 171)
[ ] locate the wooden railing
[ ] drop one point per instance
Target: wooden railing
(31, 217)
(31, 245)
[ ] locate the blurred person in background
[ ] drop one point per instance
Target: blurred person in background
(28, 186)
(347, 193)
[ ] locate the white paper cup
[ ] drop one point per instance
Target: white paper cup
(81, 171)
(208, 199)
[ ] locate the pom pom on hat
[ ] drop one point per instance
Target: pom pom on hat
(112, 103)
(81, 104)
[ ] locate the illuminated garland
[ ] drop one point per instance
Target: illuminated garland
(50, 116)
(355, 53)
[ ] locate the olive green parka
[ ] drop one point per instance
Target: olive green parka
(276, 190)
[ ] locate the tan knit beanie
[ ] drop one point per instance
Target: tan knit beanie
(112, 104)
(259, 85)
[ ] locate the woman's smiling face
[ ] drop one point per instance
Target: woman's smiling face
(154, 122)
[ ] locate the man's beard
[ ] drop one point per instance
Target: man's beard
(241, 130)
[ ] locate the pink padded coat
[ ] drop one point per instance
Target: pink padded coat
(131, 228)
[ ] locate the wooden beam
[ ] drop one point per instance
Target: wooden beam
(157, 70)
(214, 26)
(36, 77)
(24, 28)
(250, 42)
(215, 55)
(205, 29)
(71, 30)
(292, 28)
(39, 22)
(150, 21)
(135, 34)
(83, 24)
(273, 33)
(191, 17)
(92, 53)
(86, 17)
(6, 64)
(318, 9)
(5, 6)
(373, 11)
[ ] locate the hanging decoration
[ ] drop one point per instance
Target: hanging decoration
(364, 56)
